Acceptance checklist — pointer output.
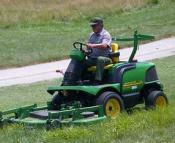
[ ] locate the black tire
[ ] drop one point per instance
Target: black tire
(108, 97)
(56, 102)
(156, 99)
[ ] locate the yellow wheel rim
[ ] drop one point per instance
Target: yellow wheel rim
(160, 101)
(112, 108)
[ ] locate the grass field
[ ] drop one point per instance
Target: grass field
(34, 31)
(140, 126)
(27, 11)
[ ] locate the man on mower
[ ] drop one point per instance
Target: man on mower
(100, 44)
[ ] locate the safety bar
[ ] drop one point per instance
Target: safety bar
(136, 38)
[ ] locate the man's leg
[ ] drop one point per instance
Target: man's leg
(101, 62)
(73, 72)
(90, 62)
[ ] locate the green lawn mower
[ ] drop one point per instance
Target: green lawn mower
(78, 101)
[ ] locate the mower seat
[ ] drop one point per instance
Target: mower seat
(93, 68)
(114, 55)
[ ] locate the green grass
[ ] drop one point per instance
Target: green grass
(26, 11)
(25, 41)
(140, 126)
(26, 94)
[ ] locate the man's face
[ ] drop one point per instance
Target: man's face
(96, 28)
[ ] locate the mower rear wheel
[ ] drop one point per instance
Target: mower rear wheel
(112, 104)
(156, 99)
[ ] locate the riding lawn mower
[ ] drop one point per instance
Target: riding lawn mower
(78, 101)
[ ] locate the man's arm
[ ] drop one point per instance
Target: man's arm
(102, 45)
(106, 42)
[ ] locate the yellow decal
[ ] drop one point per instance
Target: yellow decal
(133, 83)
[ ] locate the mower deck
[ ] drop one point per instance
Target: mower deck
(42, 117)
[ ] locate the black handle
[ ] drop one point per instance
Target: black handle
(79, 43)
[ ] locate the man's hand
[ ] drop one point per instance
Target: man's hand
(89, 45)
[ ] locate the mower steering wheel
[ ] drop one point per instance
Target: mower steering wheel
(87, 51)
(80, 45)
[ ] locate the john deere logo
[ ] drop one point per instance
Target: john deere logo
(133, 83)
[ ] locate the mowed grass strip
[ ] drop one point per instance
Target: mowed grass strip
(140, 126)
(31, 40)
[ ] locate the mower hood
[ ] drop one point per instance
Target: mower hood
(87, 89)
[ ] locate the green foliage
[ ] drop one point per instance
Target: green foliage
(68, 134)
(27, 96)
(19, 134)
(153, 1)
(14, 12)
(118, 129)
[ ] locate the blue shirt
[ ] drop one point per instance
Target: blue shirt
(100, 38)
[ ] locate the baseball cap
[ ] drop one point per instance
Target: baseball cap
(95, 21)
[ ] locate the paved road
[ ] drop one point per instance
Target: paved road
(40, 72)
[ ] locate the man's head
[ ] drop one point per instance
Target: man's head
(96, 24)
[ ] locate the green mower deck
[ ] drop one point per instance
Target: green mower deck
(33, 116)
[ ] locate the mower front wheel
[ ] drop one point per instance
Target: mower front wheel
(112, 104)
(56, 102)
